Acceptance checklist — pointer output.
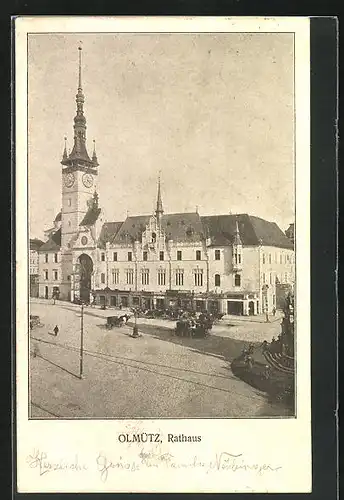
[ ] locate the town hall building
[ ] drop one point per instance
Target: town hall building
(235, 264)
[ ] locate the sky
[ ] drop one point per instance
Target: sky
(213, 113)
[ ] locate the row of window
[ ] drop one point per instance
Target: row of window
(217, 255)
(283, 258)
(55, 275)
(55, 257)
(161, 277)
(279, 278)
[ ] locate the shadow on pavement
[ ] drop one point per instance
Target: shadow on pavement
(57, 366)
(213, 345)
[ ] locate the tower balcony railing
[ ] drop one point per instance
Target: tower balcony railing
(237, 266)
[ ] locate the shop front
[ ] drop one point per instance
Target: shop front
(241, 304)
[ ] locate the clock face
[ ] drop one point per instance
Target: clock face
(69, 180)
(87, 180)
(84, 240)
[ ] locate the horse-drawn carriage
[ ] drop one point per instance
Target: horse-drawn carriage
(117, 321)
(35, 322)
(191, 328)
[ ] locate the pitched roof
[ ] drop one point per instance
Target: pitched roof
(177, 227)
(53, 243)
(131, 229)
(35, 243)
(108, 232)
(183, 226)
(269, 233)
(91, 216)
(253, 230)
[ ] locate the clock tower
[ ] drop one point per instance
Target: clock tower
(79, 175)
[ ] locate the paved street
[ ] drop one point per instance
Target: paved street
(156, 375)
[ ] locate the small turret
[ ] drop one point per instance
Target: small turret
(237, 249)
(65, 154)
(94, 155)
(237, 239)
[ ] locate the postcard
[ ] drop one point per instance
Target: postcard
(163, 254)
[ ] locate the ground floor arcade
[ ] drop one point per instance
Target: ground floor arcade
(238, 304)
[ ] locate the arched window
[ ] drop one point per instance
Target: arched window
(237, 280)
(217, 280)
(153, 237)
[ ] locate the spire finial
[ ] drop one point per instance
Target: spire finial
(159, 209)
(80, 50)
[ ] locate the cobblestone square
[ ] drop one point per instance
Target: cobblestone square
(157, 375)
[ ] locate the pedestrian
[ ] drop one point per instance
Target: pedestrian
(267, 317)
(274, 311)
(56, 330)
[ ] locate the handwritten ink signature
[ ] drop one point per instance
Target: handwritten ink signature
(40, 460)
(104, 464)
(149, 458)
(224, 461)
(228, 461)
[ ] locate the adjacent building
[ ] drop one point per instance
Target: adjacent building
(235, 264)
(35, 245)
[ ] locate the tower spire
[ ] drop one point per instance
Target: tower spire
(159, 209)
(79, 152)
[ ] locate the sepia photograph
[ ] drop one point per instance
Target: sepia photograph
(163, 255)
(161, 225)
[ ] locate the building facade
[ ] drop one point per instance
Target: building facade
(234, 264)
(35, 245)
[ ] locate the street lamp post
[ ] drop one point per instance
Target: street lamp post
(81, 341)
(135, 328)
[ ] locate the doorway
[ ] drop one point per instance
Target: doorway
(160, 303)
(251, 308)
(235, 307)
